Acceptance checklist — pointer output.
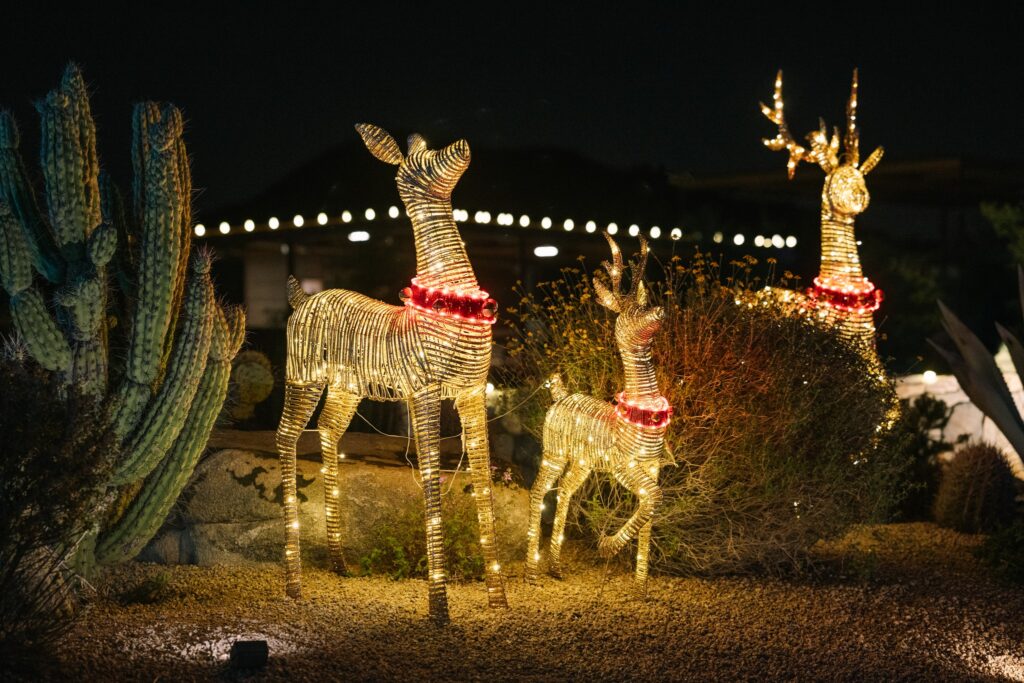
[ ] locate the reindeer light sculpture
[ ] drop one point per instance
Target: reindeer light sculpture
(841, 294)
(583, 434)
(436, 346)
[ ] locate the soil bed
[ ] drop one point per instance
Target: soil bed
(904, 602)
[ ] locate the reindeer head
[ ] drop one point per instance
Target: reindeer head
(845, 190)
(638, 322)
(422, 171)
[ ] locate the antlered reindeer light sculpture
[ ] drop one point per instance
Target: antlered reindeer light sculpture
(841, 293)
(583, 434)
(437, 346)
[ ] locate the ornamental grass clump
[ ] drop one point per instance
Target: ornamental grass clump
(776, 432)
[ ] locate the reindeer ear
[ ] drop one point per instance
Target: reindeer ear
(416, 144)
(872, 161)
(380, 144)
(605, 297)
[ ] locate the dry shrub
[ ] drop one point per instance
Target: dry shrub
(57, 453)
(776, 426)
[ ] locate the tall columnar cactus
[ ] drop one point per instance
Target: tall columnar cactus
(981, 380)
(178, 342)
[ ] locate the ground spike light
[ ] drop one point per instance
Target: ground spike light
(840, 293)
(435, 347)
(583, 434)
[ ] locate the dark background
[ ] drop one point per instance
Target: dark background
(266, 88)
(656, 95)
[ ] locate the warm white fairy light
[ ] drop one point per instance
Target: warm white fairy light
(249, 225)
(613, 228)
(568, 224)
(545, 251)
(419, 352)
(655, 232)
(676, 233)
(298, 220)
(778, 242)
(460, 215)
(200, 229)
(591, 226)
(321, 218)
(346, 216)
(369, 214)
(545, 223)
(224, 227)
(524, 221)
(359, 236)
(634, 230)
(738, 239)
(759, 241)
(392, 212)
(583, 434)
(791, 241)
(273, 223)
(929, 377)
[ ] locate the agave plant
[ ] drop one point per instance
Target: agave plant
(980, 378)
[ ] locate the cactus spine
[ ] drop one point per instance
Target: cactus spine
(179, 341)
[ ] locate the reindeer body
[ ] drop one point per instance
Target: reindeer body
(841, 294)
(334, 325)
(435, 347)
(626, 439)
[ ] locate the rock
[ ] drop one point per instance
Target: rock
(230, 513)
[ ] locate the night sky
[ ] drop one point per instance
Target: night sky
(672, 86)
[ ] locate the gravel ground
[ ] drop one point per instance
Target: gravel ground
(898, 602)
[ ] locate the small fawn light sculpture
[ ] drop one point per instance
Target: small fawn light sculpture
(583, 434)
(841, 294)
(437, 346)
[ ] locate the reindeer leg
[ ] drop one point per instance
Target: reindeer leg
(473, 414)
(550, 469)
(647, 490)
(299, 403)
(425, 408)
(643, 547)
(570, 484)
(334, 420)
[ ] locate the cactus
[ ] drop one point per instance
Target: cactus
(977, 491)
(979, 376)
(178, 341)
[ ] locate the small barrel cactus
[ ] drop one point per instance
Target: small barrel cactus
(977, 491)
(252, 380)
(87, 277)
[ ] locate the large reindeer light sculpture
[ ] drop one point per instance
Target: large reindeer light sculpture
(841, 293)
(583, 434)
(437, 346)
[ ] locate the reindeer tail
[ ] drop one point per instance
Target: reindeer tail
(295, 294)
(558, 391)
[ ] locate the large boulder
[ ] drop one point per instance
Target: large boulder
(231, 513)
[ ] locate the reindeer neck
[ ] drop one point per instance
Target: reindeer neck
(839, 255)
(638, 366)
(441, 259)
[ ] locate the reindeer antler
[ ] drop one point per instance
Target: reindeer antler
(613, 298)
(852, 140)
(823, 151)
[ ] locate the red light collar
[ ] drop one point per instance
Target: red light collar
(652, 413)
(473, 305)
(856, 295)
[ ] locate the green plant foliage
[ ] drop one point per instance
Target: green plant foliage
(146, 348)
(977, 491)
(919, 433)
(1003, 550)
(776, 426)
(57, 454)
(399, 546)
